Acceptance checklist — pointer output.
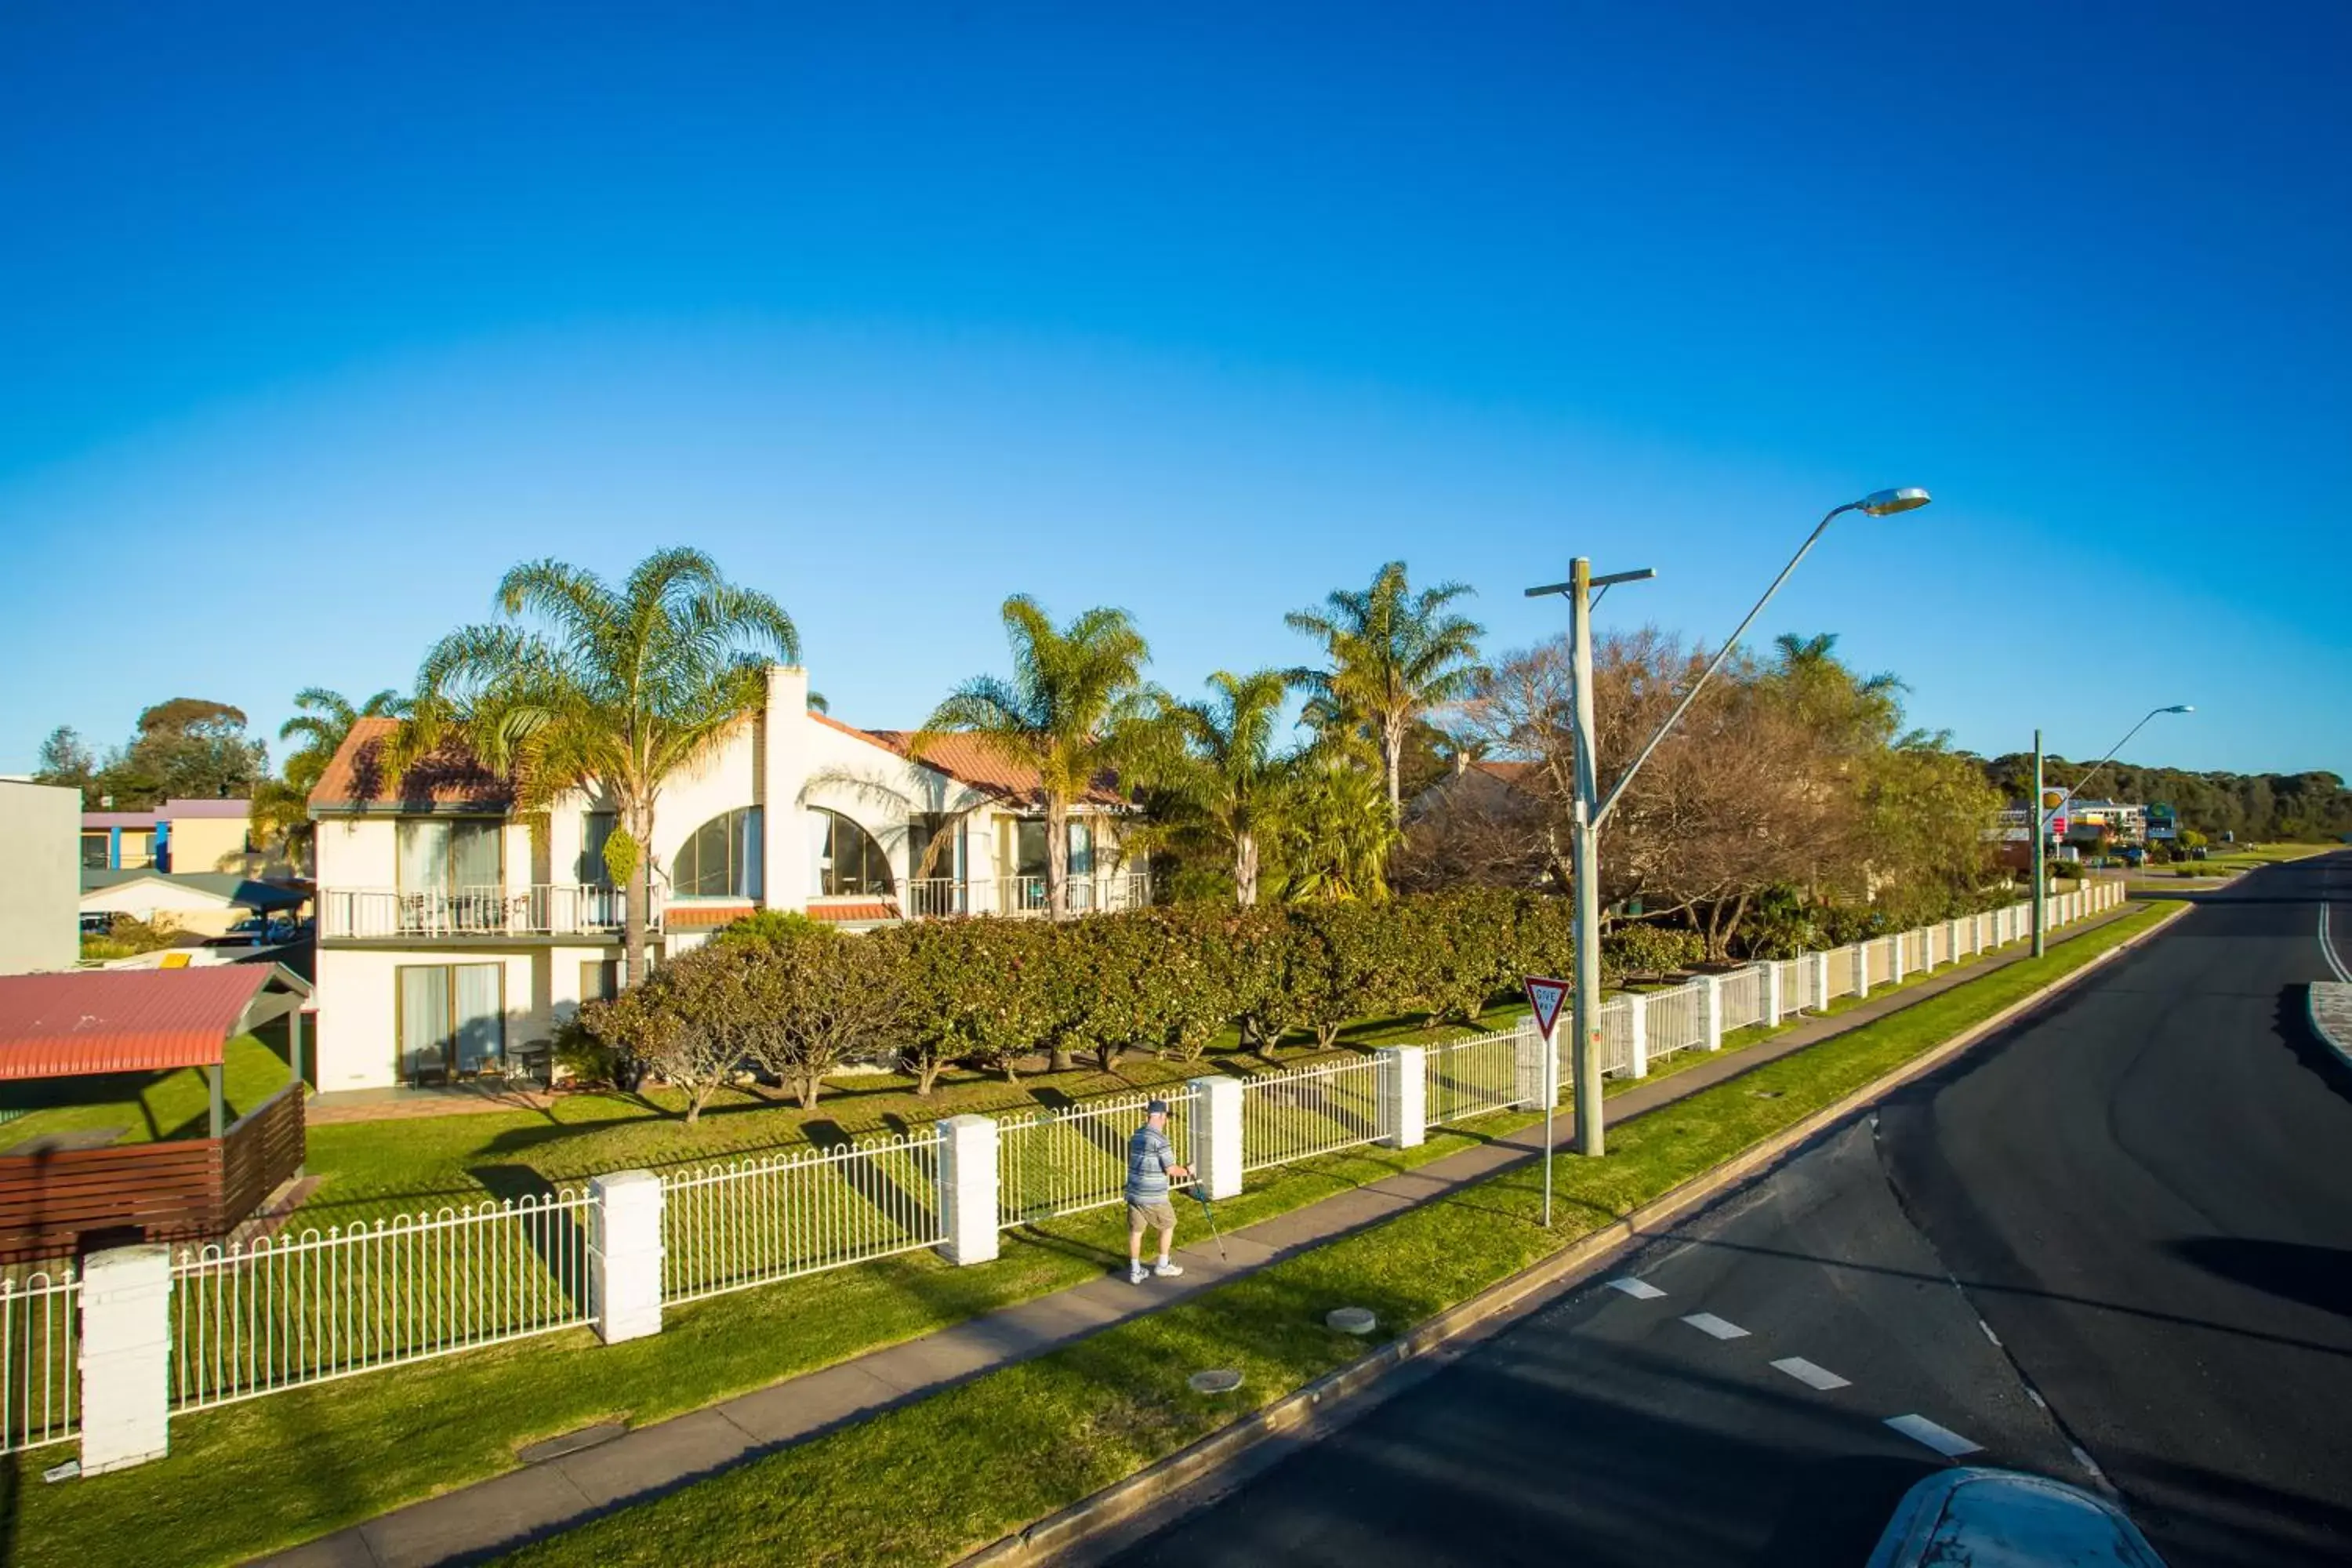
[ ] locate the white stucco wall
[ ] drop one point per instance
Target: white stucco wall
(40, 869)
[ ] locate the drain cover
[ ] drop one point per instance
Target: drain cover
(1219, 1381)
(1350, 1319)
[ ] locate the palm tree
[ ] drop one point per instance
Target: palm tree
(281, 806)
(1233, 783)
(612, 690)
(1075, 709)
(1394, 655)
(1337, 832)
(1860, 710)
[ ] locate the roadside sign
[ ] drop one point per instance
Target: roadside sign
(1546, 997)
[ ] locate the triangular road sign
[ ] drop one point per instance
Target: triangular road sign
(1546, 997)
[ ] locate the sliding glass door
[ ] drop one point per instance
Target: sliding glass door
(452, 1019)
(451, 875)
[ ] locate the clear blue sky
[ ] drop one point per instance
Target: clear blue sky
(311, 321)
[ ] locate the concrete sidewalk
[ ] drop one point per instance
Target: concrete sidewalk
(541, 1499)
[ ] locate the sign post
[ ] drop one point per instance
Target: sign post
(1544, 997)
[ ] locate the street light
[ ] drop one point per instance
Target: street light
(1591, 810)
(2042, 819)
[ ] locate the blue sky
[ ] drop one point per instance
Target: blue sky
(313, 320)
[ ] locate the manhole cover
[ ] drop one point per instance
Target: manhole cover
(1351, 1320)
(1220, 1381)
(1768, 1093)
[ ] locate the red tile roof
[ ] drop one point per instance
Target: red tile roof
(1509, 772)
(855, 910)
(969, 760)
(123, 1020)
(681, 917)
(355, 778)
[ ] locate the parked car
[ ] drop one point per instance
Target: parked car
(96, 923)
(256, 931)
(2008, 1518)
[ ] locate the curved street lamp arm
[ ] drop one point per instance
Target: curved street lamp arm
(2079, 784)
(1722, 653)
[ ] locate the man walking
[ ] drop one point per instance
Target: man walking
(1150, 1167)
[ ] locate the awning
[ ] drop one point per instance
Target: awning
(135, 1020)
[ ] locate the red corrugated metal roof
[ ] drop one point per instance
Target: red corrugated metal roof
(123, 1020)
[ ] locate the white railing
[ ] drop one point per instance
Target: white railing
(40, 1361)
(249, 1320)
(942, 897)
(1066, 1161)
(543, 910)
(1305, 1111)
(1743, 1000)
(1675, 1020)
(755, 1222)
(1841, 974)
(1470, 1078)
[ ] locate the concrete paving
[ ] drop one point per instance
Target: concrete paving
(479, 1521)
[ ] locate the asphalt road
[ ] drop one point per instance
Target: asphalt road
(2116, 1243)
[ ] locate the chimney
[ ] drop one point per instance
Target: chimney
(1461, 762)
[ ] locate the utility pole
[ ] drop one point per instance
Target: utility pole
(1585, 861)
(2040, 826)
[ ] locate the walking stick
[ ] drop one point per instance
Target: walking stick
(1211, 1216)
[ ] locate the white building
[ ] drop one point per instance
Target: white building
(38, 926)
(454, 932)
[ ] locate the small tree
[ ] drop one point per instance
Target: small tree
(814, 999)
(687, 1025)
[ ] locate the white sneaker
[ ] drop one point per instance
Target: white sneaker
(1136, 1274)
(1168, 1270)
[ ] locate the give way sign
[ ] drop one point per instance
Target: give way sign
(1545, 997)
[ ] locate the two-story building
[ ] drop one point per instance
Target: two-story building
(454, 932)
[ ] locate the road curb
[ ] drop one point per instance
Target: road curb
(2323, 998)
(1123, 1500)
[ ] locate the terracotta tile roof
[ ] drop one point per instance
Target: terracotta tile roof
(1509, 772)
(969, 760)
(693, 916)
(123, 1020)
(354, 777)
(855, 910)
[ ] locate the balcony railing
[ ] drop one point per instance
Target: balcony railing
(545, 909)
(934, 898)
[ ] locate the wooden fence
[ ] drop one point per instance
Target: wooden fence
(64, 1202)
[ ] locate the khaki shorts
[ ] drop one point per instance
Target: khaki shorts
(1156, 1215)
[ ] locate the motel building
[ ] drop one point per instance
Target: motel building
(455, 934)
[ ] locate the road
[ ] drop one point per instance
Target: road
(2114, 1245)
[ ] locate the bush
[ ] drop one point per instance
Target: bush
(578, 1051)
(1644, 949)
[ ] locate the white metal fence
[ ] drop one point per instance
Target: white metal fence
(755, 1222)
(1470, 1078)
(1066, 1161)
(1675, 1020)
(1305, 1111)
(252, 1320)
(40, 1361)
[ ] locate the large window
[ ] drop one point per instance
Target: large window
(721, 860)
(847, 860)
(452, 1019)
(595, 832)
(97, 849)
(448, 858)
(600, 979)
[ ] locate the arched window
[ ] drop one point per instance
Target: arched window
(847, 859)
(721, 859)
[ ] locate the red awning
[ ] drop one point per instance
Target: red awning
(127, 1020)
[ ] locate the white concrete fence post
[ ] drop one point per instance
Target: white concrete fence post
(1404, 1097)
(1637, 1035)
(968, 1189)
(1217, 1136)
(1951, 941)
(1862, 968)
(126, 1358)
(625, 1254)
(1531, 1049)
(1768, 983)
(1820, 982)
(1710, 990)
(1895, 969)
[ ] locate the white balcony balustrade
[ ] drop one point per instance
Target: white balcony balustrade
(544, 909)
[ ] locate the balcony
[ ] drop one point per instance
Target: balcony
(935, 897)
(387, 914)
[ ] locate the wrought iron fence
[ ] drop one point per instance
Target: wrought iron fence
(1066, 1161)
(41, 1359)
(1470, 1078)
(1305, 1111)
(755, 1222)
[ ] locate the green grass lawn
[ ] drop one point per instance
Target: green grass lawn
(933, 1481)
(145, 1106)
(301, 1463)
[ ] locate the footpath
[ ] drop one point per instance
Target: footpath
(564, 1483)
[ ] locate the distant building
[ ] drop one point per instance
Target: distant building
(178, 836)
(2109, 821)
(204, 903)
(38, 884)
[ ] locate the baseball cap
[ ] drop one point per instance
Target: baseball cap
(1156, 1108)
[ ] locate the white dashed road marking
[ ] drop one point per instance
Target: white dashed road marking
(1944, 1440)
(1708, 1323)
(1640, 1290)
(1810, 1375)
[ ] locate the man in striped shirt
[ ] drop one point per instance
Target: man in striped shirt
(1150, 1167)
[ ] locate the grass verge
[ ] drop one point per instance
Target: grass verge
(307, 1462)
(935, 1480)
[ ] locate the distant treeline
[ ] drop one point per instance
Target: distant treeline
(2256, 807)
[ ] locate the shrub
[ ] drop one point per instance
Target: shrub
(1640, 948)
(578, 1051)
(813, 998)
